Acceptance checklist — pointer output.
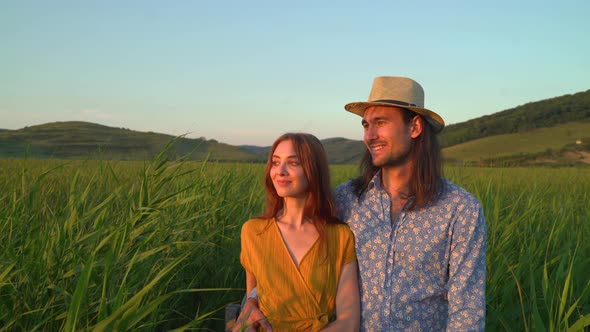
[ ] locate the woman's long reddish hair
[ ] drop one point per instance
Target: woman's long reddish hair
(319, 207)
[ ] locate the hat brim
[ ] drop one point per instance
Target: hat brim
(434, 119)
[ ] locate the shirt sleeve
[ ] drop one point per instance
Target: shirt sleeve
(467, 270)
(342, 195)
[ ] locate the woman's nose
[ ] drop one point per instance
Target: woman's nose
(283, 169)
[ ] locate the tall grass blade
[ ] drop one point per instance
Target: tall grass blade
(78, 298)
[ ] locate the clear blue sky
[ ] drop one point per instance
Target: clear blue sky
(244, 72)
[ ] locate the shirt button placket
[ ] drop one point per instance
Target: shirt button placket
(390, 227)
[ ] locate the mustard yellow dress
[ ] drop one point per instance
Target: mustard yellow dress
(295, 298)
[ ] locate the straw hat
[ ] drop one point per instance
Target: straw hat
(399, 92)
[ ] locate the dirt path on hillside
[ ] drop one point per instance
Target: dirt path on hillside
(578, 156)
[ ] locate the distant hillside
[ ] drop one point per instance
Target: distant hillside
(540, 114)
(75, 140)
(549, 132)
(563, 144)
(338, 150)
(261, 151)
(343, 151)
(544, 130)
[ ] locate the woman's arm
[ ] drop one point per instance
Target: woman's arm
(250, 314)
(250, 282)
(348, 307)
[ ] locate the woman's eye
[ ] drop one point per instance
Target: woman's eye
(274, 163)
(294, 163)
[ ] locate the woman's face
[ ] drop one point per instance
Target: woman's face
(287, 172)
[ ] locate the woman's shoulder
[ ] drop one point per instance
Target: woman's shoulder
(341, 241)
(255, 225)
(340, 229)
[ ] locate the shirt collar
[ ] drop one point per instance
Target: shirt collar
(378, 185)
(375, 182)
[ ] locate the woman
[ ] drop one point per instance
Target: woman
(298, 255)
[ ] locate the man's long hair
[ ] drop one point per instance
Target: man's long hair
(319, 207)
(426, 183)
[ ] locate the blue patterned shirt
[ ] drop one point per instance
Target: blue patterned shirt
(426, 270)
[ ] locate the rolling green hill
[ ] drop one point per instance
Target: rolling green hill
(542, 132)
(80, 140)
(338, 150)
(560, 144)
(540, 114)
(343, 151)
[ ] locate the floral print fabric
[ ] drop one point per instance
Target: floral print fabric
(426, 269)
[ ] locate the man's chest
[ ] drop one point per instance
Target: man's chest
(413, 240)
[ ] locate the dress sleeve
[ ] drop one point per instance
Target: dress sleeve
(348, 250)
(246, 247)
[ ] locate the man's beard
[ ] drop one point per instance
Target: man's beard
(393, 161)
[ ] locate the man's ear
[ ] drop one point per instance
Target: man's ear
(416, 126)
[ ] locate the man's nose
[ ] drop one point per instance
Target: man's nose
(370, 133)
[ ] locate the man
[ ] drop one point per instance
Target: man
(420, 239)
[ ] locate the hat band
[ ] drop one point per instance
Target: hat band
(395, 102)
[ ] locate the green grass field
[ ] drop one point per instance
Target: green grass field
(114, 246)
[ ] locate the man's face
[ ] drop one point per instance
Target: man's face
(387, 136)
